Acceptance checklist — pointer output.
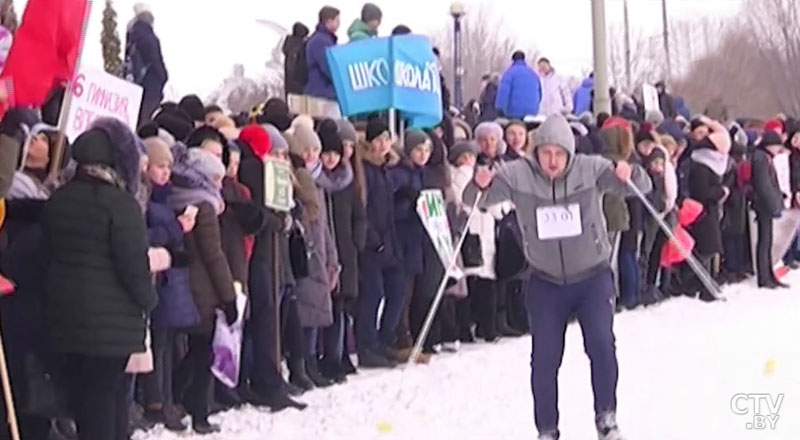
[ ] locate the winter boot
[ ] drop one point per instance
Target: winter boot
(137, 420)
(277, 401)
(201, 426)
(651, 295)
(503, 328)
(465, 336)
(298, 375)
(312, 369)
(332, 370)
(607, 428)
(347, 365)
(168, 416)
(371, 359)
(549, 435)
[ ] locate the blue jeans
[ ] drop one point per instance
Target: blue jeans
(376, 284)
(549, 309)
(629, 286)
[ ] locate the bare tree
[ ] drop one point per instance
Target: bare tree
(775, 26)
(486, 49)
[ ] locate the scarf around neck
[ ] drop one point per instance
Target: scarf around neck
(713, 159)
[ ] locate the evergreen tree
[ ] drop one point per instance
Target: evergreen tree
(109, 38)
(8, 16)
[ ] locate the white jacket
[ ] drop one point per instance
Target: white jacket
(556, 95)
(483, 224)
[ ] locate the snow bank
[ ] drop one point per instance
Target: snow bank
(680, 365)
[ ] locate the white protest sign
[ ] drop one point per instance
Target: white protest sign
(432, 211)
(97, 94)
(650, 95)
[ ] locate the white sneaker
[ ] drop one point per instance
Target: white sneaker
(552, 435)
(607, 428)
(451, 347)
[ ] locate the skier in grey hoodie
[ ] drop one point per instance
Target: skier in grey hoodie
(557, 194)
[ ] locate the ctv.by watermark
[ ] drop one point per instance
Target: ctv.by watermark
(763, 409)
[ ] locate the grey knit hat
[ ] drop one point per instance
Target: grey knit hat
(460, 149)
(415, 138)
(205, 162)
(555, 131)
(370, 12)
(279, 144)
(347, 131)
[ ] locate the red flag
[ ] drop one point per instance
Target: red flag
(45, 50)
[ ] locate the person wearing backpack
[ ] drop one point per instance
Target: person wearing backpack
(144, 63)
(295, 67)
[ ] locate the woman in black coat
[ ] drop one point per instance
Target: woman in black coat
(709, 162)
(98, 284)
(342, 178)
(768, 204)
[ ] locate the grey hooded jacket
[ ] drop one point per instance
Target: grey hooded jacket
(523, 182)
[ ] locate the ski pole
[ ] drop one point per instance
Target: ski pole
(697, 268)
(426, 327)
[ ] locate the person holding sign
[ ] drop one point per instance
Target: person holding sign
(557, 195)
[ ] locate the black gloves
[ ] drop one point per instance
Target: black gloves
(15, 118)
(231, 314)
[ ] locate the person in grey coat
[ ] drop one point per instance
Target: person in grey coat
(557, 193)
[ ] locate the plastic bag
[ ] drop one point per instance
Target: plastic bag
(227, 344)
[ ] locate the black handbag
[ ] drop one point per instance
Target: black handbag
(298, 254)
(471, 251)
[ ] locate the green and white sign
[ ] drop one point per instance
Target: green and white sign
(432, 211)
(278, 189)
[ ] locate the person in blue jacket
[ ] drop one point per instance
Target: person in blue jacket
(520, 91)
(583, 96)
(320, 83)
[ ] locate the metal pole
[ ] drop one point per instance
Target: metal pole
(426, 327)
(628, 77)
(458, 69)
(708, 282)
(602, 102)
(666, 38)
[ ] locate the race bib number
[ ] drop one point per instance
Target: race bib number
(559, 221)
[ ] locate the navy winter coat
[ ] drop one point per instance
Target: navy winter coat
(407, 182)
(320, 83)
(148, 45)
(176, 308)
(382, 246)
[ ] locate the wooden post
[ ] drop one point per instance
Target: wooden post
(8, 397)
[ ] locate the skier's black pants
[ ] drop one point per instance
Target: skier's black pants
(549, 308)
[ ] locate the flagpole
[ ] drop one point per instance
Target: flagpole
(66, 103)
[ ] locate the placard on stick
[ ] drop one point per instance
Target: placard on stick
(97, 94)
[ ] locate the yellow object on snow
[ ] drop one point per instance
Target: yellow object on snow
(385, 427)
(769, 369)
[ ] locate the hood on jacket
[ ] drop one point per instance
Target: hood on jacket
(110, 142)
(588, 83)
(617, 143)
(360, 30)
(365, 150)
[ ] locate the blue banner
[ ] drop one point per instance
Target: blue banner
(384, 73)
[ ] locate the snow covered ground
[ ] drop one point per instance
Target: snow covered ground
(680, 365)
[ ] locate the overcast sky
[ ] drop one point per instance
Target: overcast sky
(202, 39)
